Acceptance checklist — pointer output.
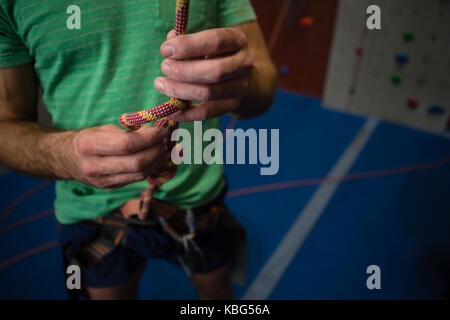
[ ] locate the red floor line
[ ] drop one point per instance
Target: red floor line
(29, 253)
(27, 220)
(352, 176)
(22, 198)
(263, 188)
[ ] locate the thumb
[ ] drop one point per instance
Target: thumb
(171, 34)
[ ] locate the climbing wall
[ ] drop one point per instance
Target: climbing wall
(299, 34)
(400, 73)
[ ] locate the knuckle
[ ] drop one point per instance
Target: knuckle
(206, 93)
(204, 114)
(134, 165)
(137, 165)
(175, 71)
(81, 144)
(125, 144)
(172, 91)
(89, 170)
(218, 74)
(240, 37)
(217, 42)
(248, 62)
(164, 66)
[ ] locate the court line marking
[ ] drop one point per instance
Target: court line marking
(29, 253)
(272, 272)
(22, 198)
(417, 166)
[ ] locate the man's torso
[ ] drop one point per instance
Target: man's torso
(92, 72)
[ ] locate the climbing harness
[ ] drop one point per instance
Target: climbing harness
(119, 229)
(115, 229)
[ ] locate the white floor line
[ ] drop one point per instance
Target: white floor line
(269, 276)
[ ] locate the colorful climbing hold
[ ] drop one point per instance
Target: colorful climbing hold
(408, 36)
(284, 70)
(436, 109)
(359, 51)
(397, 79)
(402, 58)
(352, 90)
(413, 103)
(305, 22)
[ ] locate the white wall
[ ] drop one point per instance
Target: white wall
(426, 77)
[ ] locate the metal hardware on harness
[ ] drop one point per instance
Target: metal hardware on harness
(189, 254)
(190, 222)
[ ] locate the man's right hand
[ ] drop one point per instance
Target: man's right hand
(108, 157)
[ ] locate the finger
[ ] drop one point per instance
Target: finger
(144, 161)
(206, 110)
(208, 42)
(109, 128)
(202, 92)
(208, 70)
(119, 180)
(171, 34)
(109, 143)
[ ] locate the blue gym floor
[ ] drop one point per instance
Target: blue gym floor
(399, 222)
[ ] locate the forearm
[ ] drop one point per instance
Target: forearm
(263, 79)
(33, 149)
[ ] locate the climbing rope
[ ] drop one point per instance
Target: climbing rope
(135, 120)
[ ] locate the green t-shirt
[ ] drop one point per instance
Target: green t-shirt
(89, 76)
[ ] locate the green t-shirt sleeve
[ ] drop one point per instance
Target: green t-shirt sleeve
(13, 52)
(233, 12)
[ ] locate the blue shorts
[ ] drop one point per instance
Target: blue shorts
(142, 243)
